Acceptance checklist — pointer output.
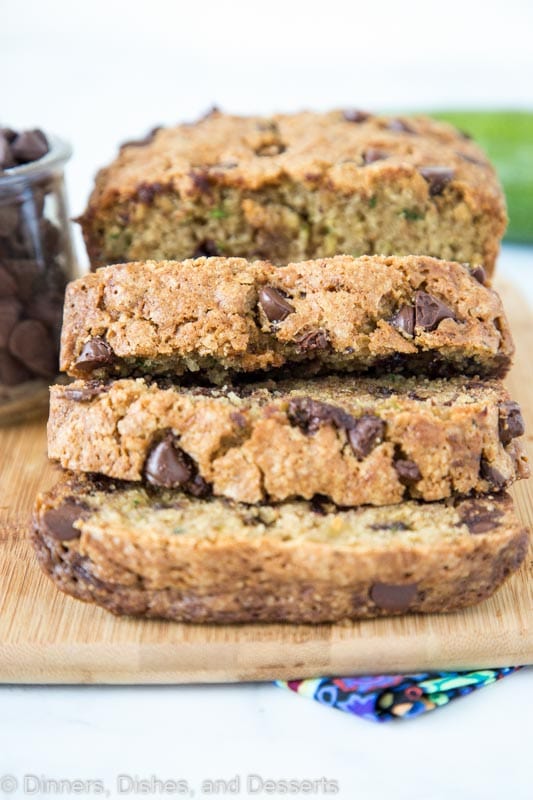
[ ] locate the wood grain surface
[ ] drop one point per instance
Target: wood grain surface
(46, 637)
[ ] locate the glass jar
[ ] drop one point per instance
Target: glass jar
(36, 261)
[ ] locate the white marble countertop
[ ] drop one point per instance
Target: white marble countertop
(102, 72)
(478, 748)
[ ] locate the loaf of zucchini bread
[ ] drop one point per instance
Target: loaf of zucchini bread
(294, 187)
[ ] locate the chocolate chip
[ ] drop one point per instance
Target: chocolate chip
(309, 414)
(11, 370)
(83, 567)
(50, 238)
(6, 154)
(144, 141)
(200, 179)
(9, 219)
(146, 192)
(475, 385)
(367, 432)
(318, 504)
(29, 146)
(26, 273)
(8, 286)
(374, 154)
(478, 518)
(481, 523)
(407, 471)
(393, 597)
(274, 305)
(492, 475)
(437, 178)
(511, 421)
(96, 353)
(55, 279)
(9, 134)
(88, 391)
(10, 311)
(479, 274)
(429, 311)
(390, 526)
(316, 340)
(31, 343)
(404, 320)
(47, 308)
(197, 486)
(59, 522)
(206, 249)
(238, 419)
(355, 115)
(399, 126)
(166, 465)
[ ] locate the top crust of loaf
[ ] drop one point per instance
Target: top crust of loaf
(316, 149)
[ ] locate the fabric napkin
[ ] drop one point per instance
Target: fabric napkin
(381, 698)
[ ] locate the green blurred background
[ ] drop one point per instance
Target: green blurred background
(507, 138)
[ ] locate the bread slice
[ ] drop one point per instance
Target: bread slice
(355, 440)
(212, 318)
(297, 186)
(161, 553)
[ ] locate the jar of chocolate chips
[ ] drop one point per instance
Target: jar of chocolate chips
(36, 261)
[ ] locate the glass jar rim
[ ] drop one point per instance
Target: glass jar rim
(59, 153)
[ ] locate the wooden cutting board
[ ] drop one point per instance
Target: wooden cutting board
(46, 637)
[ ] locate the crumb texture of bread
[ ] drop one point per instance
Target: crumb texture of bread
(163, 554)
(214, 317)
(294, 187)
(345, 438)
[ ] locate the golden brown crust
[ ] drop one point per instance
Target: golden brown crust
(274, 167)
(206, 316)
(230, 563)
(312, 148)
(338, 437)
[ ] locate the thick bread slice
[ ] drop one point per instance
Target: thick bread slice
(219, 316)
(355, 440)
(164, 554)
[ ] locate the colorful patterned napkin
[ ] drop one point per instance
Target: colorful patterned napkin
(384, 697)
